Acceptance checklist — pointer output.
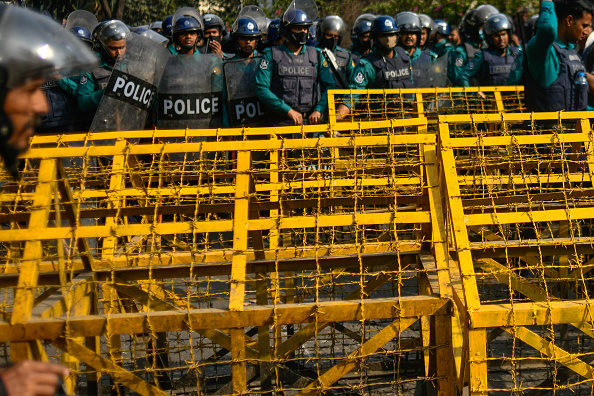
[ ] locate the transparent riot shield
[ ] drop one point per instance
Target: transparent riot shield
(254, 12)
(243, 106)
(436, 76)
(191, 93)
(132, 88)
(308, 6)
(82, 18)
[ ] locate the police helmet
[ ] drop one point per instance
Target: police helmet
(106, 31)
(156, 26)
(332, 23)
(264, 29)
(212, 21)
(246, 27)
(186, 24)
(34, 47)
(530, 26)
(82, 33)
(384, 24)
(483, 12)
(360, 27)
(295, 17)
(426, 22)
(408, 21)
(441, 27)
(273, 30)
(168, 27)
(496, 23)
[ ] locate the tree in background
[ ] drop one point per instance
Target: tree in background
(141, 12)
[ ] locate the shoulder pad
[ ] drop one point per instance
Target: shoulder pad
(266, 50)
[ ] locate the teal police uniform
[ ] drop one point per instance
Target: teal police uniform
(91, 86)
(264, 80)
(477, 68)
(442, 48)
(458, 58)
(365, 73)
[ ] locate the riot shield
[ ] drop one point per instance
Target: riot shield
(82, 18)
(435, 76)
(243, 105)
(187, 11)
(191, 93)
(128, 98)
(254, 12)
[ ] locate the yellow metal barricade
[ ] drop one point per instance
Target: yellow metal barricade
(381, 104)
(234, 261)
(519, 205)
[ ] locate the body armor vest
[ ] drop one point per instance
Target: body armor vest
(295, 78)
(563, 93)
(497, 67)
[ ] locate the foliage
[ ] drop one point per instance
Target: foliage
(139, 12)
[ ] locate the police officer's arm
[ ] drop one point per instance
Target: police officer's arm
(471, 69)
(456, 63)
(69, 85)
(363, 75)
(543, 62)
(263, 80)
(88, 98)
(326, 83)
(515, 74)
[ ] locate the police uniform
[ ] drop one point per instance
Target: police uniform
(442, 48)
(64, 114)
(377, 71)
(345, 66)
(91, 85)
(459, 57)
(420, 61)
(516, 74)
(490, 68)
(171, 48)
(550, 68)
(287, 81)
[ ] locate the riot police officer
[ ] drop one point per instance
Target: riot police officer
(472, 29)
(331, 32)
(156, 26)
(361, 37)
(292, 77)
(167, 31)
(555, 78)
(64, 114)
(410, 33)
(427, 25)
(25, 68)
(187, 33)
(387, 66)
(273, 37)
(492, 65)
(441, 34)
(109, 39)
(214, 32)
(246, 36)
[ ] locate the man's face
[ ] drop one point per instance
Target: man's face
(24, 105)
(454, 37)
(247, 45)
(500, 40)
(424, 34)
(299, 29)
(578, 26)
(187, 39)
(408, 39)
(213, 32)
(116, 49)
(365, 36)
